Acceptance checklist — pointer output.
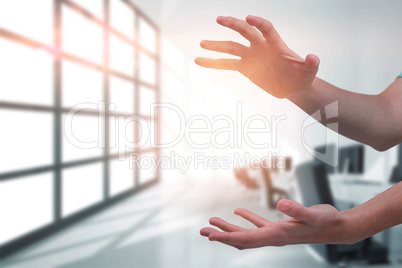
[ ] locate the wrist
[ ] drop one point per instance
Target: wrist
(308, 98)
(304, 91)
(351, 228)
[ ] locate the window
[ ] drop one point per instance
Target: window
(80, 84)
(25, 140)
(37, 73)
(82, 137)
(147, 170)
(121, 176)
(17, 16)
(148, 96)
(81, 37)
(122, 95)
(59, 162)
(147, 69)
(82, 186)
(32, 207)
(121, 56)
(147, 36)
(122, 18)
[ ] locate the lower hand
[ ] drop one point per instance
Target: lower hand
(316, 224)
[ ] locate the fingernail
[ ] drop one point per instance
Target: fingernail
(211, 238)
(285, 206)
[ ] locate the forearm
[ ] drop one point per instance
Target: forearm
(378, 214)
(370, 119)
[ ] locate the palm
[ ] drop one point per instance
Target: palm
(267, 62)
(317, 224)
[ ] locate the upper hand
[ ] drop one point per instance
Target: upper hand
(316, 224)
(267, 62)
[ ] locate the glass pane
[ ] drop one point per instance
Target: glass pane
(147, 167)
(95, 7)
(147, 36)
(147, 69)
(144, 133)
(81, 37)
(81, 84)
(82, 137)
(121, 56)
(32, 19)
(34, 66)
(122, 95)
(173, 88)
(82, 187)
(25, 205)
(147, 97)
(26, 139)
(122, 18)
(121, 135)
(173, 58)
(121, 176)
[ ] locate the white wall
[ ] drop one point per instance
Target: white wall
(358, 43)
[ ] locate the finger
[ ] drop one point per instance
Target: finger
(228, 47)
(266, 28)
(232, 244)
(207, 231)
(242, 27)
(311, 64)
(240, 240)
(295, 210)
(225, 226)
(232, 238)
(257, 220)
(222, 64)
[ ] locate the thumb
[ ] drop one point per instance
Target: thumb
(311, 64)
(295, 210)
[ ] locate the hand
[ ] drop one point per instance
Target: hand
(267, 62)
(316, 224)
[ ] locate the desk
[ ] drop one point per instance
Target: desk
(350, 192)
(354, 190)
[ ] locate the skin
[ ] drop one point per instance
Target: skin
(370, 119)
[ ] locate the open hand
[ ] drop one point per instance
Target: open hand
(316, 224)
(267, 62)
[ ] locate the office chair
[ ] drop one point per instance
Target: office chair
(274, 194)
(354, 157)
(315, 189)
(242, 175)
(351, 157)
(396, 175)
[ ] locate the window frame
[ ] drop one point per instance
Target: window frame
(58, 112)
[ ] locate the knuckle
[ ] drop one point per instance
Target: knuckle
(295, 213)
(232, 46)
(268, 25)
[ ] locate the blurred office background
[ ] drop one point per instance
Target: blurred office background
(63, 205)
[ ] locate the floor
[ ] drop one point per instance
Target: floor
(160, 228)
